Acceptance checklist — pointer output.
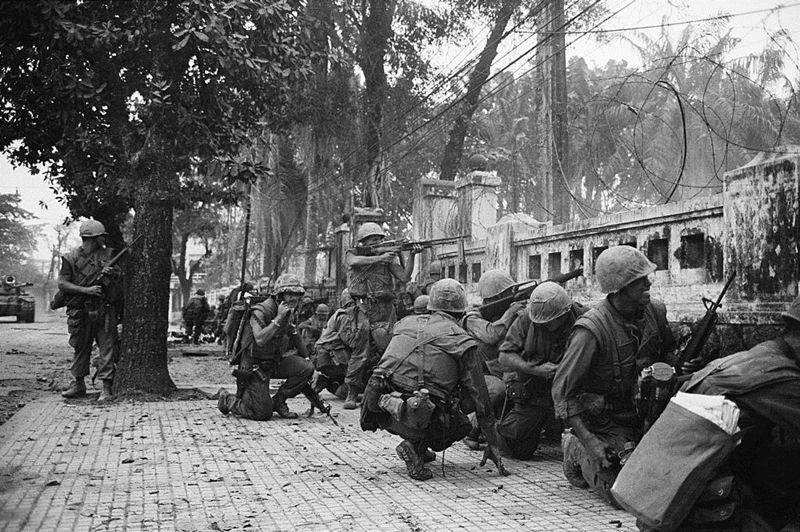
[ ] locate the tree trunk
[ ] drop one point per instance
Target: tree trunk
(558, 101)
(374, 44)
(143, 355)
(455, 144)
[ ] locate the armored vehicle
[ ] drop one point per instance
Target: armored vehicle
(15, 301)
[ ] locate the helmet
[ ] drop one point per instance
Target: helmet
(289, 283)
(91, 228)
(345, 298)
(548, 301)
(793, 312)
(435, 266)
(322, 308)
(447, 295)
(619, 266)
(421, 304)
(368, 229)
(493, 282)
(200, 292)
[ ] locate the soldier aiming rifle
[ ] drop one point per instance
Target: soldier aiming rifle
(492, 309)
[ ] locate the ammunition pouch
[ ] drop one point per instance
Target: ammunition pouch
(377, 386)
(518, 392)
(654, 388)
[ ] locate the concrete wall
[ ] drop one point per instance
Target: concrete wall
(751, 229)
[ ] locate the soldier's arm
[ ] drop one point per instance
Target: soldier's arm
(474, 384)
(512, 349)
(66, 285)
(264, 326)
(351, 259)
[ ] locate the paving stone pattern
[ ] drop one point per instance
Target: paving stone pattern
(184, 466)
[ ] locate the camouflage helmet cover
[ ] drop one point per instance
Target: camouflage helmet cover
(548, 301)
(92, 228)
(421, 304)
(447, 295)
(619, 266)
(288, 282)
(369, 229)
(493, 282)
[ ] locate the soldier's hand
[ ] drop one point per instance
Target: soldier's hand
(417, 249)
(600, 451)
(283, 311)
(493, 453)
(547, 370)
(388, 256)
(690, 366)
(108, 270)
(93, 290)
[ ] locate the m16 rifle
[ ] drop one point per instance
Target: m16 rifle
(318, 403)
(396, 246)
(97, 279)
(519, 292)
(703, 329)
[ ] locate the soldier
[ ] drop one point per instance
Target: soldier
(489, 336)
(219, 319)
(434, 274)
(91, 310)
(427, 381)
(195, 313)
(370, 281)
(531, 352)
(266, 341)
(305, 309)
(334, 348)
(594, 384)
(421, 305)
(311, 329)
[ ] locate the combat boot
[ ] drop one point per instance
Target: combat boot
(78, 389)
(414, 464)
(341, 391)
(223, 400)
(572, 449)
(280, 407)
(350, 403)
(106, 394)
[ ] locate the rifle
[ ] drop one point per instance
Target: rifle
(396, 246)
(519, 292)
(317, 402)
(96, 279)
(703, 329)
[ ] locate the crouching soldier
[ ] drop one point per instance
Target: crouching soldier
(531, 352)
(426, 383)
(593, 387)
(267, 339)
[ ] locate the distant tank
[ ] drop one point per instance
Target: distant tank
(15, 301)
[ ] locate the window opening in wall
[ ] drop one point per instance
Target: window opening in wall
(658, 253)
(462, 273)
(553, 264)
(451, 271)
(535, 267)
(693, 251)
(632, 243)
(575, 259)
(596, 251)
(476, 272)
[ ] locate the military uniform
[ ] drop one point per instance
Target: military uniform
(310, 331)
(194, 315)
(520, 428)
(260, 363)
(89, 318)
(597, 376)
(343, 334)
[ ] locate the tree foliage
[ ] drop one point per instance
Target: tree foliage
(17, 239)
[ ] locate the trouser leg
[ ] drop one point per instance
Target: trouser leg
(602, 478)
(81, 338)
(297, 371)
(519, 430)
(255, 402)
(106, 335)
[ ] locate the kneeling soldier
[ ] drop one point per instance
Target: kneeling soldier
(266, 341)
(427, 381)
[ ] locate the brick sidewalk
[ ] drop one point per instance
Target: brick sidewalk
(184, 466)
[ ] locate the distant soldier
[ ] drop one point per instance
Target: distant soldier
(219, 319)
(434, 273)
(421, 305)
(342, 334)
(305, 310)
(426, 383)
(531, 352)
(195, 313)
(371, 278)
(267, 341)
(311, 329)
(91, 310)
(489, 336)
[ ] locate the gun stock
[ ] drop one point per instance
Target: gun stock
(703, 329)
(317, 402)
(520, 292)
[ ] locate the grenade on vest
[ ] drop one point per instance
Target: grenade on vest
(419, 409)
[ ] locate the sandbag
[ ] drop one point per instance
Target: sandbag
(671, 466)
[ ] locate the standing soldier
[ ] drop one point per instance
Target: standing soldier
(531, 352)
(194, 316)
(593, 388)
(219, 319)
(266, 341)
(91, 310)
(489, 335)
(370, 280)
(427, 381)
